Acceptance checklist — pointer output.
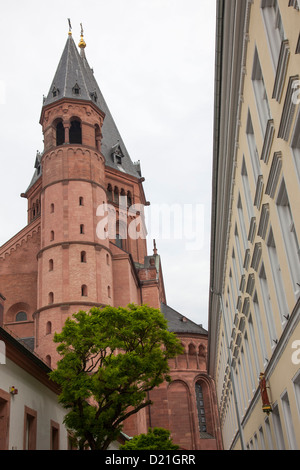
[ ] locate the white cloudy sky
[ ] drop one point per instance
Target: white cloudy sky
(154, 63)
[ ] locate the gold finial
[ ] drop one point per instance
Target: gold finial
(82, 43)
(70, 27)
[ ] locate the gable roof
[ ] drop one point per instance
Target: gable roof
(179, 323)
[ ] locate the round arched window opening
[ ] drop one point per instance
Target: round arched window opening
(21, 316)
(50, 298)
(75, 134)
(60, 133)
(48, 328)
(84, 290)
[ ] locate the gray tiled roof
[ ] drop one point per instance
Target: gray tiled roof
(179, 323)
(73, 70)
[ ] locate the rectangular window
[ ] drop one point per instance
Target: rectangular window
(269, 434)
(246, 377)
(238, 248)
(289, 421)
(242, 223)
(262, 439)
(260, 330)
(274, 28)
(278, 428)
(4, 419)
(254, 348)
(54, 435)
(260, 92)
(247, 191)
(249, 361)
(295, 145)
(297, 392)
(290, 237)
(277, 278)
(255, 161)
(30, 428)
(267, 306)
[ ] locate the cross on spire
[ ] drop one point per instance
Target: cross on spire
(70, 27)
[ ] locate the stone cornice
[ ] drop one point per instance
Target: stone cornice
(21, 237)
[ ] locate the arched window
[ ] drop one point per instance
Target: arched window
(121, 236)
(129, 199)
(202, 351)
(84, 290)
(51, 265)
(119, 241)
(48, 360)
(122, 200)
(109, 193)
(116, 195)
(81, 228)
(192, 350)
(97, 137)
(109, 292)
(107, 259)
(38, 207)
(200, 408)
(48, 328)
(83, 257)
(51, 208)
(60, 133)
(50, 298)
(81, 201)
(75, 134)
(51, 236)
(21, 316)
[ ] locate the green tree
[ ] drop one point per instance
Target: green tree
(155, 439)
(110, 358)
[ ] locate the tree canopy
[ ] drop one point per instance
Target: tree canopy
(155, 439)
(110, 358)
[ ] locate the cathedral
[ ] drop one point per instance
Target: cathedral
(85, 245)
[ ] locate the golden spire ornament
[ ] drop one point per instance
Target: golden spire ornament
(82, 43)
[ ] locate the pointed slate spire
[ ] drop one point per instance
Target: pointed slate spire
(75, 79)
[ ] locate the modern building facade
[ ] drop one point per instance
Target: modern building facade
(85, 245)
(254, 306)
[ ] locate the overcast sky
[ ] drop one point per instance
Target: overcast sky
(154, 63)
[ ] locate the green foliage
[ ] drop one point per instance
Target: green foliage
(155, 439)
(110, 359)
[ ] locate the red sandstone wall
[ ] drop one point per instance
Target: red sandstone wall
(18, 278)
(174, 404)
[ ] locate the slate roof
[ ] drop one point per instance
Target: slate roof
(179, 323)
(74, 71)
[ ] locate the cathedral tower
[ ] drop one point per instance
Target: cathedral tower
(88, 180)
(74, 268)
